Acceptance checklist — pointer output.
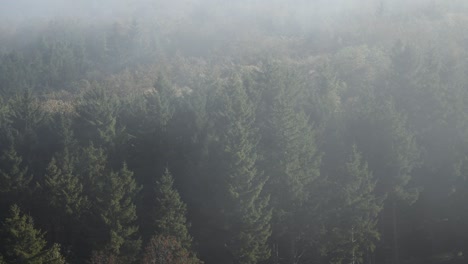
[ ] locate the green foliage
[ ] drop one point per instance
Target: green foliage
(22, 243)
(63, 190)
(14, 178)
(170, 211)
(244, 206)
(97, 119)
(352, 229)
(292, 161)
(258, 125)
(118, 213)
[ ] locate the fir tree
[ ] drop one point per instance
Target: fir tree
(27, 118)
(97, 122)
(170, 211)
(353, 220)
(22, 243)
(14, 178)
(243, 205)
(118, 213)
(63, 189)
(292, 161)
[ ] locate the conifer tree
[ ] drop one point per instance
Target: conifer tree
(292, 161)
(352, 223)
(97, 122)
(27, 117)
(244, 207)
(91, 167)
(118, 213)
(14, 177)
(170, 211)
(65, 202)
(63, 189)
(22, 243)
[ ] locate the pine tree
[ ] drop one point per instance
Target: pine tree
(118, 213)
(243, 206)
(91, 166)
(63, 189)
(22, 243)
(352, 224)
(64, 200)
(14, 178)
(91, 169)
(170, 211)
(97, 122)
(292, 161)
(27, 117)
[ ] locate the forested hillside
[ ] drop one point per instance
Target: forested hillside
(222, 132)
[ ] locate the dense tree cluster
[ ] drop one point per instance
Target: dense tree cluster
(291, 142)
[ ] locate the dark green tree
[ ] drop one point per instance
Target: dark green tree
(14, 177)
(28, 122)
(238, 183)
(170, 211)
(22, 243)
(292, 161)
(117, 211)
(63, 189)
(352, 223)
(97, 122)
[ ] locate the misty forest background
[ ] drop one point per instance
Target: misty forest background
(234, 132)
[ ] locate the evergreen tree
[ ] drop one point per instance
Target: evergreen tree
(14, 178)
(97, 114)
(243, 206)
(91, 167)
(22, 243)
(170, 211)
(118, 213)
(63, 189)
(26, 117)
(292, 161)
(352, 223)
(383, 136)
(63, 201)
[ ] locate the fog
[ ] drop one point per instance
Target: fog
(234, 132)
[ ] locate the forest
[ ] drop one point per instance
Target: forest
(234, 132)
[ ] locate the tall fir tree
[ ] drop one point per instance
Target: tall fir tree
(243, 206)
(14, 177)
(97, 122)
(65, 203)
(22, 243)
(27, 123)
(352, 230)
(292, 161)
(63, 189)
(118, 213)
(170, 211)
